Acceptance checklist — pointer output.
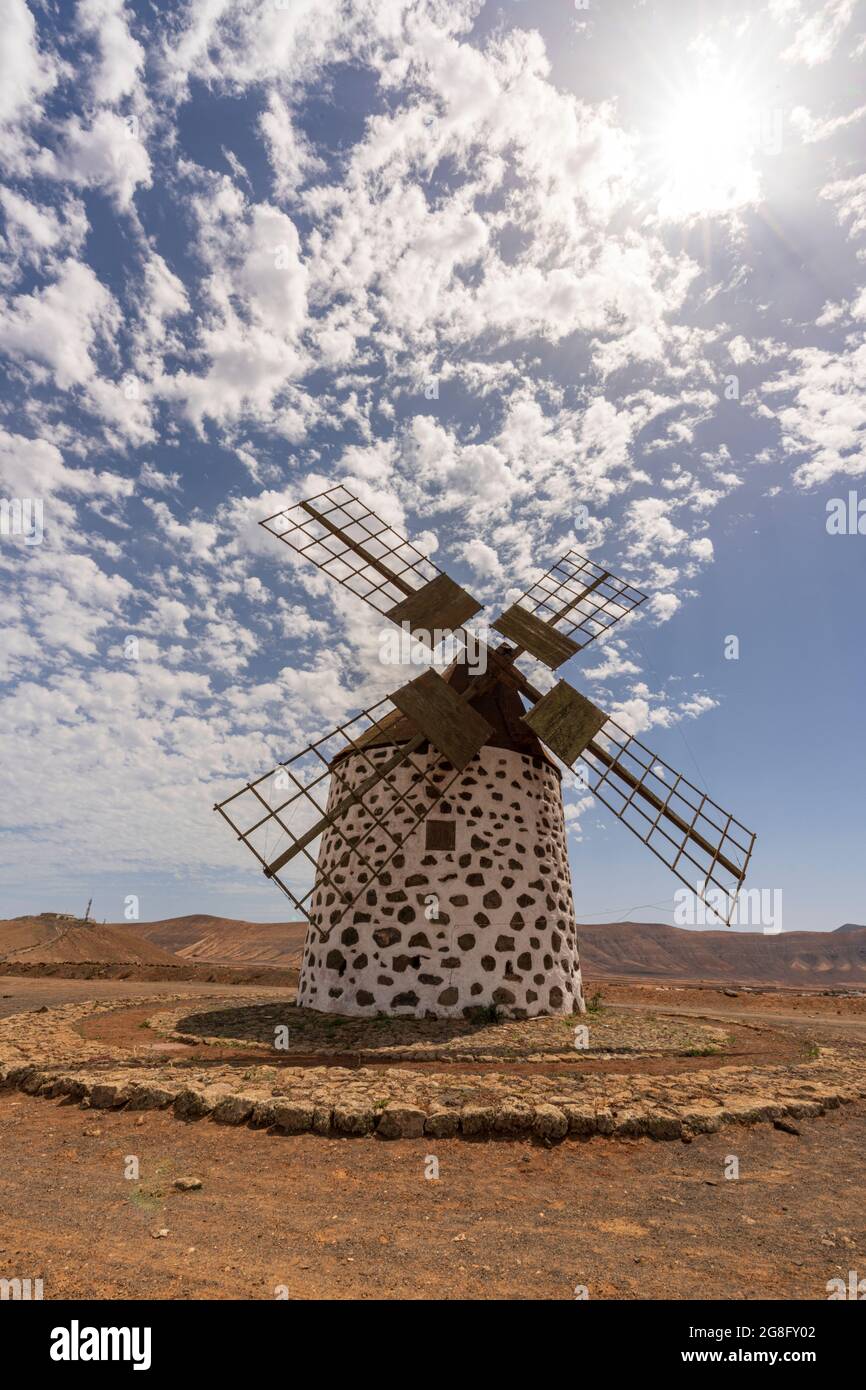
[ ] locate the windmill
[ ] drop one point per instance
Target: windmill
(431, 825)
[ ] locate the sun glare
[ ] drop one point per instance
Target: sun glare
(704, 151)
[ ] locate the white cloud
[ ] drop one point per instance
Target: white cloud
(740, 350)
(849, 195)
(36, 232)
(61, 325)
(195, 537)
(292, 160)
(26, 74)
(121, 57)
(106, 153)
(826, 417)
(813, 128)
(817, 36)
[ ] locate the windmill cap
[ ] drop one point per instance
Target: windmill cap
(500, 705)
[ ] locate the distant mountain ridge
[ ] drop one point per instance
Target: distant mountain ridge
(654, 950)
(651, 951)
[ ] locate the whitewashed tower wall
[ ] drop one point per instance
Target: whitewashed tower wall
(505, 932)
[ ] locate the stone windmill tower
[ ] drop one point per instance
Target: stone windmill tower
(432, 824)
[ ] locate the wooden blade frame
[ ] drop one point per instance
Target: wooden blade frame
(682, 826)
(350, 543)
(282, 814)
(567, 608)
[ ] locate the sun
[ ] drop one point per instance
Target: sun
(703, 149)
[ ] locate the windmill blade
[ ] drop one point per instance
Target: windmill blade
(281, 815)
(372, 809)
(567, 608)
(683, 826)
(352, 544)
(704, 845)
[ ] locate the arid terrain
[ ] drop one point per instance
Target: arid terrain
(629, 951)
(558, 1170)
(792, 960)
(356, 1219)
(342, 1216)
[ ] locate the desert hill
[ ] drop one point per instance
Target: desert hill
(52, 938)
(210, 940)
(656, 951)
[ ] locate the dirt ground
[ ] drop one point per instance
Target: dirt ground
(358, 1219)
(312, 1217)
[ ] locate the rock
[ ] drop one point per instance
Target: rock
(662, 1126)
(630, 1124)
(16, 1076)
(604, 1122)
(144, 1097)
(161, 1234)
(442, 1124)
(353, 1117)
(702, 1121)
(106, 1096)
(33, 1082)
(745, 1110)
(398, 1121)
(191, 1105)
(91, 1133)
(731, 993)
(550, 1122)
(293, 1116)
(233, 1110)
(786, 1126)
(514, 1117)
(188, 1184)
(580, 1121)
(263, 1114)
(804, 1109)
(477, 1119)
(322, 1117)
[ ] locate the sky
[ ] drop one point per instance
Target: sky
(527, 277)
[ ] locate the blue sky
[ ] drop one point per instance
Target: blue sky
(241, 240)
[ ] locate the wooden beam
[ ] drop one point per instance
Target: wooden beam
(662, 806)
(358, 549)
(605, 574)
(353, 796)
